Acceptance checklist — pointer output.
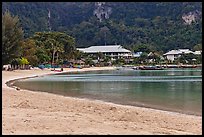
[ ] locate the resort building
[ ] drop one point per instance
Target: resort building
(173, 54)
(114, 51)
(198, 52)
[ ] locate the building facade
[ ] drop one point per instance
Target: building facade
(113, 51)
(174, 54)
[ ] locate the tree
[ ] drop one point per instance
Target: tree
(89, 61)
(104, 32)
(29, 50)
(157, 24)
(143, 48)
(186, 58)
(12, 34)
(23, 62)
(143, 58)
(54, 46)
(197, 47)
(77, 54)
(42, 56)
(155, 57)
(119, 61)
(55, 43)
(107, 60)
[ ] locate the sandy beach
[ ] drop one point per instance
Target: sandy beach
(29, 112)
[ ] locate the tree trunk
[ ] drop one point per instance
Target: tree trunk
(53, 57)
(57, 57)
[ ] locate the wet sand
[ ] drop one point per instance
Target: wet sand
(29, 112)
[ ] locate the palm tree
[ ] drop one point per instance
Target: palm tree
(55, 43)
(56, 48)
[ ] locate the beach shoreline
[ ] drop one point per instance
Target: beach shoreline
(29, 112)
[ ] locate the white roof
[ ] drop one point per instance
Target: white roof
(185, 50)
(108, 48)
(179, 51)
(172, 52)
(198, 52)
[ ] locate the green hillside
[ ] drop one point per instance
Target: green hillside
(156, 25)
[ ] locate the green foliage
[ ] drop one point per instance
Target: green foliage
(77, 54)
(24, 61)
(42, 56)
(53, 44)
(12, 35)
(143, 48)
(197, 47)
(143, 58)
(107, 59)
(29, 50)
(119, 61)
(189, 59)
(16, 61)
(89, 61)
(131, 24)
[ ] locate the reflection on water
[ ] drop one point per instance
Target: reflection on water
(173, 89)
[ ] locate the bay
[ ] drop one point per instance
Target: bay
(178, 90)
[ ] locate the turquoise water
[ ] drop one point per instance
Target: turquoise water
(177, 90)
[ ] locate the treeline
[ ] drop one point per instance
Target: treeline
(157, 25)
(41, 48)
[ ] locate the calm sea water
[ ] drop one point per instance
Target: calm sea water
(177, 90)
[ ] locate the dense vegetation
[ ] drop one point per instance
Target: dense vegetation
(12, 34)
(156, 25)
(42, 48)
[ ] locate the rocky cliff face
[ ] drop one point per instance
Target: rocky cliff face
(191, 17)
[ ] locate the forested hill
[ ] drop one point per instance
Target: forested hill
(157, 25)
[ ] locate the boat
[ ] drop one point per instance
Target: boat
(135, 67)
(150, 68)
(172, 66)
(188, 66)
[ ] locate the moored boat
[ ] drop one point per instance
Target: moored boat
(150, 68)
(188, 66)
